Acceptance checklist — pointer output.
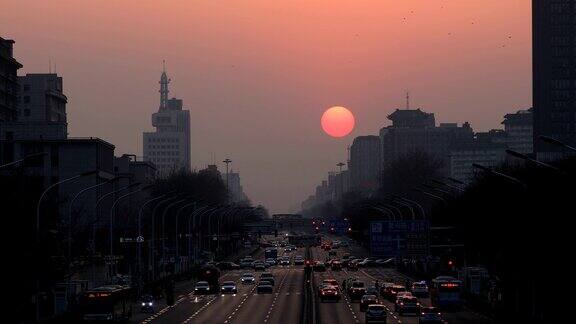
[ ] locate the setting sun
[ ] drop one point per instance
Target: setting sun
(337, 121)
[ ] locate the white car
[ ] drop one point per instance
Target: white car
(420, 289)
(285, 261)
(248, 279)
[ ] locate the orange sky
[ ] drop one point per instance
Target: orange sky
(257, 74)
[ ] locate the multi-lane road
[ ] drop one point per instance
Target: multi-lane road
(285, 304)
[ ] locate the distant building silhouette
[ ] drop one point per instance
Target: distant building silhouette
(365, 163)
(41, 112)
(416, 131)
(518, 127)
(9, 85)
(554, 74)
(169, 146)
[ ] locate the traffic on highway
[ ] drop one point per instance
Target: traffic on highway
(293, 278)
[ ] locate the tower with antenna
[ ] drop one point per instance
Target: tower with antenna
(164, 81)
(407, 100)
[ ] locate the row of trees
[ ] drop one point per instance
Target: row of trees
(515, 222)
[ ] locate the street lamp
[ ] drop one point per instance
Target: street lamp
(113, 213)
(72, 204)
(412, 202)
(176, 226)
(499, 174)
(442, 183)
(78, 176)
(27, 157)
(163, 222)
(192, 218)
(392, 200)
(556, 142)
(426, 193)
(153, 233)
(533, 161)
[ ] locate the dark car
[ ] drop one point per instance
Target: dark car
(268, 277)
(430, 315)
(147, 304)
(352, 265)
(391, 292)
(228, 266)
(375, 313)
(229, 287)
(356, 290)
(202, 288)
(407, 304)
(264, 287)
(329, 292)
(336, 265)
(368, 300)
(319, 266)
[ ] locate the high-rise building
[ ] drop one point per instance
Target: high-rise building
(554, 74)
(365, 163)
(41, 112)
(8, 81)
(169, 146)
(518, 129)
(416, 131)
(235, 189)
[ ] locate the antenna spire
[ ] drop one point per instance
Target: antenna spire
(407, 100)
(164, 87)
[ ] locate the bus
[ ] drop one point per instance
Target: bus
(106, 303)
(445, 292)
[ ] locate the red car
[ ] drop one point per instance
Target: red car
(329, 293)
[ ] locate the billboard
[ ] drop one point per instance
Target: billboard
(392, 238)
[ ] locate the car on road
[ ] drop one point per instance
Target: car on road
(264, 287)
(248, 279)
(202, 288)
(319, 266)
(356, 290)
(352, 266)
(430, 315)
(371, 290)
(393, 291)
(367, 300)
(420, 289)
(407, 304)
(229, 287)
(267, 276)
(298, 260)
(258, 265)
(246, 263)
(285, 261)
(227, 266)
(331, 282)
(375, 313)
(329, 292)
(147, 304)
(336, 265)
(270, 263)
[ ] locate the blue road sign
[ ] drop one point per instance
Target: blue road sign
(399, 238)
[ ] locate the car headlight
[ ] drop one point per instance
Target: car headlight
(143, 304)
(150, 304)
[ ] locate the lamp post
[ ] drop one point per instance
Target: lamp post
(78, 176)
(533, 161)
(423, 213)
(97, 219)
(192, 218)
(426, 193)
(27, 157)
(153, 233)
(70, 208)
(556, 142)
(442, 183)
(163, 222)
(113, 214)
(499, 174)
(138, 244)
(180, 210)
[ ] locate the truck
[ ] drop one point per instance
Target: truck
(210, 274)
(271, 253)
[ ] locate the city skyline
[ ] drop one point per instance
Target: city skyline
(488, 76)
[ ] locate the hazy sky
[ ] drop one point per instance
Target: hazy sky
(258, 74)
